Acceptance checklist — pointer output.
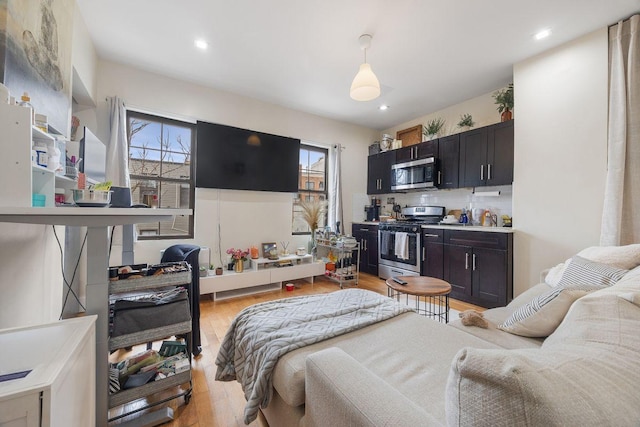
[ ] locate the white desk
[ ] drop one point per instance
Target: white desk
(97, 221)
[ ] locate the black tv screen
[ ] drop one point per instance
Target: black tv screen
(240, 159)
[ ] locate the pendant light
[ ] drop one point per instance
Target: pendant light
(365, 85)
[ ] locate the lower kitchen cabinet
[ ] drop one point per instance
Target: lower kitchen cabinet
(479, 266)
(367, 236)
(432, 253)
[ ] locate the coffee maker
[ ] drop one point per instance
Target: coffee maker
(373, 210)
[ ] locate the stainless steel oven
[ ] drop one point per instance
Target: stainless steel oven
(400, 244)
(399, 252)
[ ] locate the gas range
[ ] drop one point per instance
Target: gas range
(414, 217)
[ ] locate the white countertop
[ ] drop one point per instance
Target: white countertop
(78, 216)
(470, 228)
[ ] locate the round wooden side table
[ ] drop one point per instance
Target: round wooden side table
(431, 295)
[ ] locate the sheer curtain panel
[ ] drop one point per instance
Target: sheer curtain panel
(621, 213)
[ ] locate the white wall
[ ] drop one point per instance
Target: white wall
(246, 217)
(85, 62)
(30, 275)
(560, 154)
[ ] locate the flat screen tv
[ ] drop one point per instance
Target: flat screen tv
(240, 159)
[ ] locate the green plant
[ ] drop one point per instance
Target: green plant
(504, 98)
(433, 126)
(466, 120)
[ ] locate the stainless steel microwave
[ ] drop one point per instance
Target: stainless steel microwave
(415, 174)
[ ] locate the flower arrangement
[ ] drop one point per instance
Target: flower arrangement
(466, 121)
(504, 98)
(237, 254)
(433, 127)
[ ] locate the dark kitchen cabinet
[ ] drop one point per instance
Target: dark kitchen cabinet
(479, 266)
(448, 159)
(432, 253)
(486, 156)
(367, 236)
(379, 172)
(417, 151)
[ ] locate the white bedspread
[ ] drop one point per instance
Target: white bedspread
(262, 333)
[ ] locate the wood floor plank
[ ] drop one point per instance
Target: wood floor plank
(221, 404)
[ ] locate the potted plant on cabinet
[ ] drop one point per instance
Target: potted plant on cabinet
(432, 128)
(504, 101)
(466, 121)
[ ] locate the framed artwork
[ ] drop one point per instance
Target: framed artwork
(267, 249)
(35, 55)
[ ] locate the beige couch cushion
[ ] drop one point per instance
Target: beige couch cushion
(410, 352)
(586, 373)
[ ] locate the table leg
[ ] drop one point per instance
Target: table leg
(98, 303)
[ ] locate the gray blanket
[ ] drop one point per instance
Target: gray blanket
(263, 332)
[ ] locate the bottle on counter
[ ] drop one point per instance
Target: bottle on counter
(25, 101)
(464, 219)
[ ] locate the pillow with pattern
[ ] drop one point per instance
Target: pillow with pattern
(543, 314)
(582, 271)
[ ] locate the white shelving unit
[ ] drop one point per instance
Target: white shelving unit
(21, 177)
(263, 276)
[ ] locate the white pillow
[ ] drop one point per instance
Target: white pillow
(585, 272)
(542, 315)
(625, 257)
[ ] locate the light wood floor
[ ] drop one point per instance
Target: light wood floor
(215, 403)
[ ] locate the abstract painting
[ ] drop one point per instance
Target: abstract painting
(35, 50)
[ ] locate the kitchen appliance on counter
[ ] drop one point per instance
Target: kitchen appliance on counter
(399, 244)
(373, 211)
(413, 175)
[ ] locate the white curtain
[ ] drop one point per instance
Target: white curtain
(621, 214)
(117, 157)
(335, 192)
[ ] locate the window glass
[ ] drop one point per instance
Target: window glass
(312, 176)
(161, 171)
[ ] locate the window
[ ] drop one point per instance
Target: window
(161, 171)
(311, 179)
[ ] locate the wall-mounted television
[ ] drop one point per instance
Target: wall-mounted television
(239, 159)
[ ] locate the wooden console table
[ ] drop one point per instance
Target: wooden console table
(97, 221)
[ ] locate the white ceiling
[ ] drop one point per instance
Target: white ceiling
(303, 54)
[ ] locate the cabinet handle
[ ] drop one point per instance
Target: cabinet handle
(481, 172)
(424, 256)
(364, 229)
(466, 261)
(380, 184)
(365, 245)
(474, 262)
(488, 170)
(439, 177)
(430, 235)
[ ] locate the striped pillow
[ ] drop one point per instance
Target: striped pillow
(585, 272)
(543, 314)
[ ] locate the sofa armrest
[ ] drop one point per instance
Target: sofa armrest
(341, 392)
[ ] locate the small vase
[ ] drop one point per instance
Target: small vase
(239, 266)
(506, 115)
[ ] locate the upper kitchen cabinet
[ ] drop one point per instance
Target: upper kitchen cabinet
(486, 156)
(417, 151)
(449, 159)
(379, 172)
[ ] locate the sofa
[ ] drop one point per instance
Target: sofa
(411, 370)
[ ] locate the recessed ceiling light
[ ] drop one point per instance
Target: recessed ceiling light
(201, 44)
(542, 34)
(383, 107)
